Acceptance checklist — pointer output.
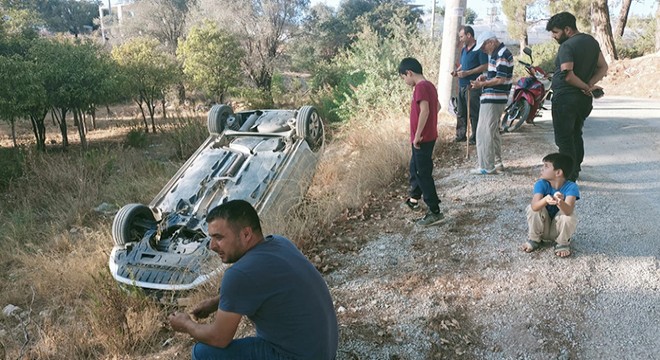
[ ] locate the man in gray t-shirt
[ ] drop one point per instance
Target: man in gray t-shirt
(273, 284)
(579, 66)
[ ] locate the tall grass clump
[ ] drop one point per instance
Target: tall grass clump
(58, 242)
(186, 135)
(11, 166)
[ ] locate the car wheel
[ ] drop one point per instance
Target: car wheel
(131, 223)
(310, 127)
(218, 118)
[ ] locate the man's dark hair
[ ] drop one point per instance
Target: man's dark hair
(239, 214)
(410, 64)
(467, 30)
(561, 162)
(560, 21)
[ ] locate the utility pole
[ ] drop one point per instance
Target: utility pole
(433, 21)
(450, 52)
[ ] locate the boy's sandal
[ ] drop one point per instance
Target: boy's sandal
(562, 248)
(531, 245)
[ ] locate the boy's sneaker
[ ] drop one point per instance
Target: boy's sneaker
(414, 206)
(431, 218)
(480, 171)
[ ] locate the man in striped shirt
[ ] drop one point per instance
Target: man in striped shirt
(496, 86)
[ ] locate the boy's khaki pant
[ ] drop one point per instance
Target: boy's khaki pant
(560, 229)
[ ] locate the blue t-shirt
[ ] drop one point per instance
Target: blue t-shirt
(544, 188)
(471, 59)
(285, 297)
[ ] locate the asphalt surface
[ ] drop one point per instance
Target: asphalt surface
(619, 231)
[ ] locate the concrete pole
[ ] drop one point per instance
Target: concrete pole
(450, 51)
(101, 21)
(433, 21)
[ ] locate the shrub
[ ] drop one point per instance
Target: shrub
(364, 78)
(186, 136)
(11, 166)
(255, 98)
(639, 38)
(136, 138)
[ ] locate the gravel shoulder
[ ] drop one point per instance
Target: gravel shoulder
(463, 289)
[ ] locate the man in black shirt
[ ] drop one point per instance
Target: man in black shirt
(579, 66)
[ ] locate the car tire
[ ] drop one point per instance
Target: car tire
(217, 119)
(310, 127)
(131, 223)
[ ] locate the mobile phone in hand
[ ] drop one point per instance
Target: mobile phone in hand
(597, 93)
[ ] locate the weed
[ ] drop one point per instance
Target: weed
(186, 135)
(137, 138)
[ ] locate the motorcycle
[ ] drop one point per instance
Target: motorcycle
(529, 95)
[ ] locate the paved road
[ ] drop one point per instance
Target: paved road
(619, 230)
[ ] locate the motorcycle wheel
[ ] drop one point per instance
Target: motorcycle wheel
(521, 115)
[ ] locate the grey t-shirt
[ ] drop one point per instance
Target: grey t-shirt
(582, 50)
(286, 298)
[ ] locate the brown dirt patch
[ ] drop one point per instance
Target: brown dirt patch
(639, 77)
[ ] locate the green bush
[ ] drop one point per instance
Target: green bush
(364, 79)
(136, 138)
(186, 136)
(11, 166)
(289, 90)
(255, 98)
(639, 38)
(543, 55)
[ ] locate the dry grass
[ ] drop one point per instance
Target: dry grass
(56, 270)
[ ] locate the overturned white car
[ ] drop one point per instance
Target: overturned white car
(266, 157)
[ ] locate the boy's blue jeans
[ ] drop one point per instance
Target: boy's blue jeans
(251, 348)
(421, 175)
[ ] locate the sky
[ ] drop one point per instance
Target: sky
(639, 7)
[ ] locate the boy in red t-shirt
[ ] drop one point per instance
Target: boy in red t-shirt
(424, 108)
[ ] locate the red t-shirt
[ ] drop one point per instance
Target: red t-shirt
(424, 90)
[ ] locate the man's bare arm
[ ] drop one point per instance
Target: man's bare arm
(601, 70)
(218, 333)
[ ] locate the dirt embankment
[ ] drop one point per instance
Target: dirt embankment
(639, 77)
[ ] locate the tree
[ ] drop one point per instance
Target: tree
(470, 16)
(603, 29)
(516, 13)
(60, 15)
(20, 90)
(149, 72)
(164, 20)
(623, 17)
(581, 9)
(325, 32)
(211, 60)
(322, 36)
(263, 27)
(74, 76)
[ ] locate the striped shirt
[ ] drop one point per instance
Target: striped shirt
(500, 64)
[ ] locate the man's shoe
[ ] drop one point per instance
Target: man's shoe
(431, 218)
(480, 171)
(414, 206)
